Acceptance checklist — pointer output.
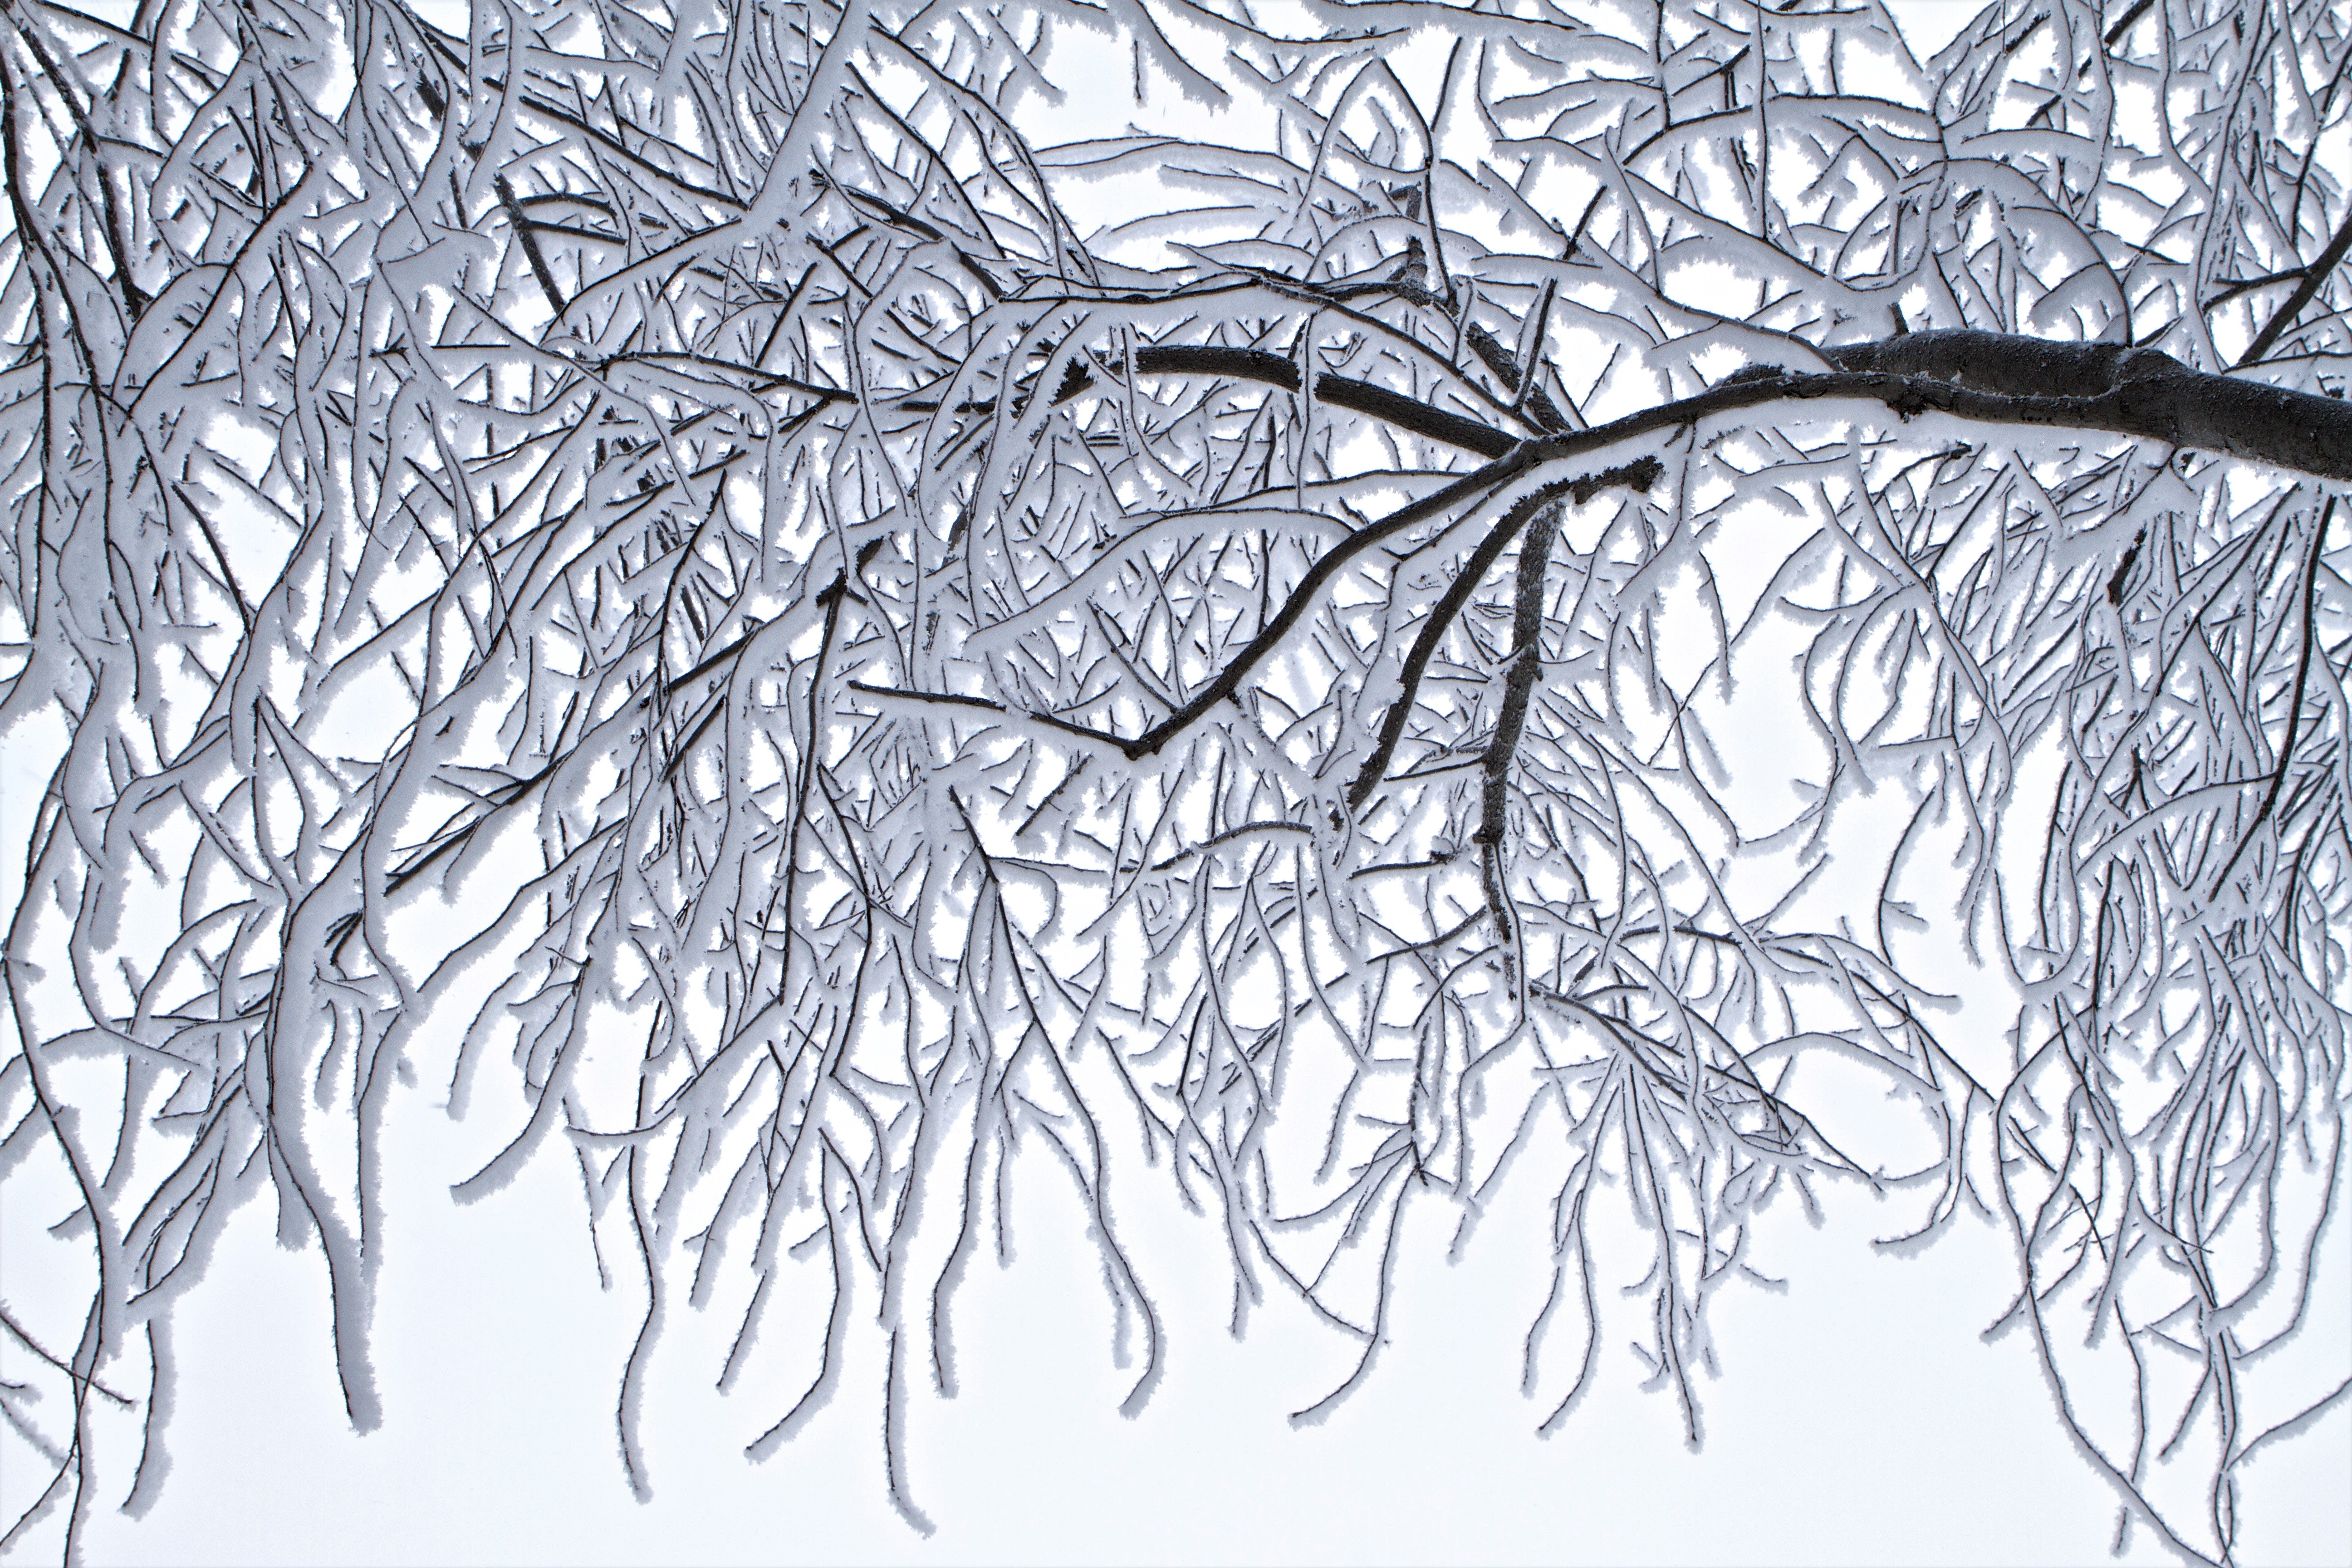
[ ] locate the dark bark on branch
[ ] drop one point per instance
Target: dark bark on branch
(1338, 390)
(1498, 359)
(1277, 369)
(2314, 278)
(1395, 408)
(1984, 376)
(135, 298)
(1519, 683)
(1502, 752)
(2090, 386)
(1433, 631)
(523, 227)
(1640, 474)
(1987, 376)
(2114, 34)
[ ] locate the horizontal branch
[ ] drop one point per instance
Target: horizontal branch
(1987, 377)
(2003, 380)
(1333, 391)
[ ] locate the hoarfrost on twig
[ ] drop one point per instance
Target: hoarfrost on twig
(660, 561)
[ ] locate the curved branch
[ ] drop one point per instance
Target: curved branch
(2314, 278)
(2129, 391)
(1993, 377)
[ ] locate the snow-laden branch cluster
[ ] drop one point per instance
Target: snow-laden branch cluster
(663, 570)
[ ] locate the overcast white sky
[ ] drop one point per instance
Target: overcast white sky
(1858, 1419)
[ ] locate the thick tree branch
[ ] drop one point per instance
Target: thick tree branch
(2010, 380)
(1991, 377)
(1518, 688)
(1519, 683)
(1333, 391)
(1984, 376)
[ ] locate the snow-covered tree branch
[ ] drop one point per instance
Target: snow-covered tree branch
(680, 577)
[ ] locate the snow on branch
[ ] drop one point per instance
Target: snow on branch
(702, 592)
